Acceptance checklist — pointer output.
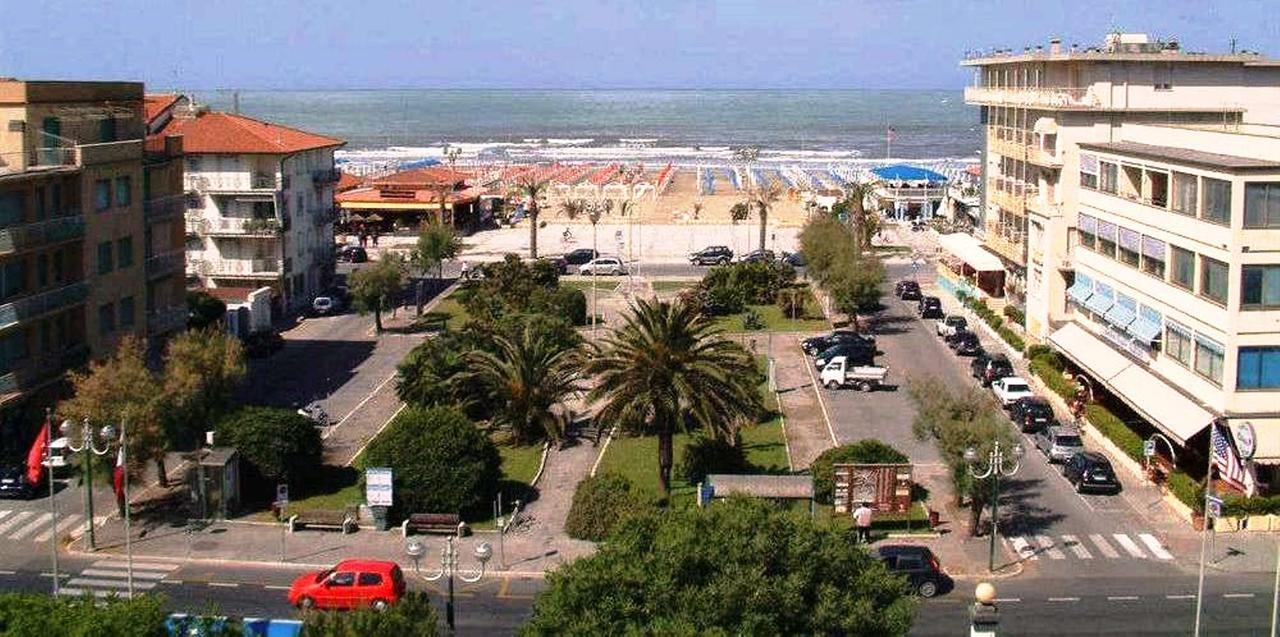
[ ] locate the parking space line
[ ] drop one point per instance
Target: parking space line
(1064, 599)
(224, 584)
(817, 390)
(1179, 596)
(1237, 595)
(1123, 598)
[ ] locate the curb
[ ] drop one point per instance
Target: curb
(542, 464)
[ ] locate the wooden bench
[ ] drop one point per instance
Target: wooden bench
(433, 523)
(344, 520)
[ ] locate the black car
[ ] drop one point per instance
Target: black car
(14, 484)
(712, 255)
(904, 284)
(911, 292)
(917, 564)
(580, 256)
(793, 259)
(353, 254)
(855, 353)
(758, 256)
(1090, 471)
(930, 307)
(965, 343)
(816, 344)
(988, 367)
(560, 264)
(1031, 414)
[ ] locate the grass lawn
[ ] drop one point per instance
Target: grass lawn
(672, 286)
(604, 285)
(456, 315)
(776, 321)
(520, 462)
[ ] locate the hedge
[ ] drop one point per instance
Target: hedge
(599, 505)
(1239, 506)
(1015, 314)
(1186, 490)
(1052, 376)
(1119, 433)
(980, 308)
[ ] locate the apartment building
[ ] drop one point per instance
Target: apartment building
(261, 209)
(1128, 192)
(73, 188)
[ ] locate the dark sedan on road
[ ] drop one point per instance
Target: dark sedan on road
(904, 284)
(815, 344)
(930, 307)
(758, 256)
(1090, 471)
(965, 343)
(917, 564)
(988, 367)
(1032, 414)
(353, 254)
(712, 255)
(793, 259)
(581, 256)
(910, 291)
(14, 484)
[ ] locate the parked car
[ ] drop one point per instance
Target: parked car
(1059, 443)
(580, 256)
(987, 367)
(863, 377)
(761, 256)
(793, 259)
(950, 324)
(350, 584)
(14, 484)
(560, 264)
(603, 265)
(1090, 471)
(815, 344)
(929, 307)
(353, 254)
(326, 305)
(712, 255)
(917, 564)
(1011, 389)
(903, 284)
(857, 353)
(1032, 414)
(911, 292)
(965, 343)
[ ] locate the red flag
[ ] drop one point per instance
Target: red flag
(117, 476)
(35, 457)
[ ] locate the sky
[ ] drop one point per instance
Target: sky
(319, 44)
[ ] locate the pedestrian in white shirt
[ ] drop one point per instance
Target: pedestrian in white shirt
(862, 520)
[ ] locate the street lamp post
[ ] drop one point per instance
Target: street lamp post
(595, 209)
(53, 500)
(449, 567)
(995, 469)
(87, 444)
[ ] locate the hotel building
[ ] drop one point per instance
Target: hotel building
(1132, 192)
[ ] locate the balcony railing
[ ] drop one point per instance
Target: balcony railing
(165, 263)
(39, 159)
(35, 371)
(32, 235)
(246, 268)
(166, 319)
(234, 226)
(1065, 98)
(1008, 244)
(235, 182)
(35, 305)
(162, 208)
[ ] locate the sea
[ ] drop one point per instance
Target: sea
(685, 127)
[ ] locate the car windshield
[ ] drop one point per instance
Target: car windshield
(1068, 441)
(323, 575)
(1016, 387)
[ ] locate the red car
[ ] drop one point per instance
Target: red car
(350, 584)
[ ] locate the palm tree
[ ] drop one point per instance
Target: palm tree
(531, 186)
(862, 221)
(667, 369)
(524, 378)
(571, 208)
(442, 191)
(763, 199)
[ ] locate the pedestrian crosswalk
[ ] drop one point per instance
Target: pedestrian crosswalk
(1142, 546)
(106, 578)
(38, 526)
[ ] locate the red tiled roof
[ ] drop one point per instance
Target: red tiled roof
(420, 196)
(154, 104)
(224, 133)
(422, 177)
(347, 181)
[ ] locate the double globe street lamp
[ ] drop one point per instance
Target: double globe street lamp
(995, 468)
(89, 444)
(449, 567)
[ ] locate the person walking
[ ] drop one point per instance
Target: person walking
(862, 520)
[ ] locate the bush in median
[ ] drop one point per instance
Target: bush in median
(412, 616)
(442, 462)
(866, 451)
(275, 445)
(599, 505)
(27, 614)
(705, 455)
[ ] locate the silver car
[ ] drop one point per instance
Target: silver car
(1059, 444)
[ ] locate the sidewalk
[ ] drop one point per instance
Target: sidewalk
(806, 422)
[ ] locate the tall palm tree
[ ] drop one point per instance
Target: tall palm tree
(530, 185)
(524, 378)
(763, 198)
(666, 369)
(862, 221)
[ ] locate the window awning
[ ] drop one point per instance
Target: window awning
(967, 248)
(1080, 291)
(1156, 401)
(1120, 316)
(1100, 303)
(1144, 329)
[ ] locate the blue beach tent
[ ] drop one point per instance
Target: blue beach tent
(903, 172)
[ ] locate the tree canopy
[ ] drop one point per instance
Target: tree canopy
(276, 445)
(376, 287)
(736, 567)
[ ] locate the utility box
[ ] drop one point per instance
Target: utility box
(214, 483)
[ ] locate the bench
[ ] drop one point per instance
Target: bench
(344, 520)
(450, 523)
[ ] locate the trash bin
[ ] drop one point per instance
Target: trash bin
(379, 517)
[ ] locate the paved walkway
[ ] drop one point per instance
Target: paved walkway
(807, 429)
(543, 543)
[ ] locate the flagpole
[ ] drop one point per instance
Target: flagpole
(128, 542)
(1204, 536)
(53, 502)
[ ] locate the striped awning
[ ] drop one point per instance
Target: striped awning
(1080, 291)
(1120, 315)
(1100, 303)
(1144, 330)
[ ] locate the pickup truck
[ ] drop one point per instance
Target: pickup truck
(1010, 389)
(951, 324)
(837, 374)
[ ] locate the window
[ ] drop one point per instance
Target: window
(370, 579)
(1184, 268)
(1209, 359)
(1213, 279)
(101, 194)
(1089, 171)
(105, 261)
(1260, 287)
(13, 279)
(124, 252)
(1153, 256)
(41, 209)
(1130, 244)
(342, 579)
(1258, 368)
(1164, 77)
(13, 348)
(1157, 188)
(1088, 239)
(59, 266)
(42, 270)
(127, 311)
(106, 318)
(1186, 197)
(11, 205)
(1107, 238)
(124, 191)
(107, 130)
(1217, 201)
(1262, 205)
(1109, 177)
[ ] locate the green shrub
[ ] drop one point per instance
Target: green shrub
(1037, 351)
(275, 445)
(963, 297)
(1015, 314)
(1240, 506)
(571, 304)
(599, 504)
(27, 614)
(441, 462)
(1011, 338)
(866, 451)
(751, 320)
(723, 300)
(412, 616)
(792, 300)
(1052, 377)
(706, 455)
(1113, 428)
(756, 283)
(1186, 490)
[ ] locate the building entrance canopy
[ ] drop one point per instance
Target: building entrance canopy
(967, 248)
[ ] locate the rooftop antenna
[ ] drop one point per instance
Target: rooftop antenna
(1233, 46)
(235, 102)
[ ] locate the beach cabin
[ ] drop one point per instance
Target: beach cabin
(406, 199)
(908, 192)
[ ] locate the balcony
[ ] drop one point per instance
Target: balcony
(235, 268)
(36, 305)
(1043, 157)
(33, 235)
(165, 264)
(1006, 241)
(325, 176)
(1020, 144)
(1060, 98)
(33, 372)
(164, 208)
(1012, 197)
(236, 183)
(234, 227)
(166, 319)
(61, 157)
(1042, 207)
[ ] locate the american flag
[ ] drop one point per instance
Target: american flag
(1230, 467)
(891, 133)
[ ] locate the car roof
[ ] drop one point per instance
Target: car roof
(1095, 457)
(899, 549)
(364, 565)
(1064, 430)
